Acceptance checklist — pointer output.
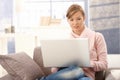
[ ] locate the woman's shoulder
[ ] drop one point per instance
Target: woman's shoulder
(90, 32)
(94, 33)
(99, 35)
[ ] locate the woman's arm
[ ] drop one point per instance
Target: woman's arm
(101, 51)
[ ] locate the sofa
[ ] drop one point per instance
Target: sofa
(22, 67)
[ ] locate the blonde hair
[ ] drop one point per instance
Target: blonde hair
(73, 9)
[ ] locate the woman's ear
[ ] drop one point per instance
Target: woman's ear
(67, 19)
(84, 18)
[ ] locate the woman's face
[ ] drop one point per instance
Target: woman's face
(76, 22)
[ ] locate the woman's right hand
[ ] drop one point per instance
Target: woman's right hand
(54, 69)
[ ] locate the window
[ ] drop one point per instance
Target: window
(28, 12)
(6, 8)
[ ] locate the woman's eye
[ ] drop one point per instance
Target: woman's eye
(79, 18)
(71, 19)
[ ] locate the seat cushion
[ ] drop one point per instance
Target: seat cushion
(20, 66)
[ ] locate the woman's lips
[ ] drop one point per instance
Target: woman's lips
(76, 26)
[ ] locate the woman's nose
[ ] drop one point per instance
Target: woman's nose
(75, 22)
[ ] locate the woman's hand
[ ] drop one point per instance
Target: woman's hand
(54, 69)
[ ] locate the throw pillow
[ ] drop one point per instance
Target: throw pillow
(20, 66)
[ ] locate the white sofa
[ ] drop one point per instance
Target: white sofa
(113, 72)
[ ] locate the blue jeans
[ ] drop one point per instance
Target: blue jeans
(70, 73)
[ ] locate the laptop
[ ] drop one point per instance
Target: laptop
(65, 52)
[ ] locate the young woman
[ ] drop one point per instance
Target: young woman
(98, 51)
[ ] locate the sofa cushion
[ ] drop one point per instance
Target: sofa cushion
(20, 66)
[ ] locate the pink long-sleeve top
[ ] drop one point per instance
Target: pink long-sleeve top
(98, 51)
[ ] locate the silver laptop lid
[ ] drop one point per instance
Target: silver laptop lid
(65, 52)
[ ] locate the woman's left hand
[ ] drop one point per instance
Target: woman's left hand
(54, 69)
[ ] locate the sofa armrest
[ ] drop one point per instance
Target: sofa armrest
(37, 57)
(112, 74)
(113, 60)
